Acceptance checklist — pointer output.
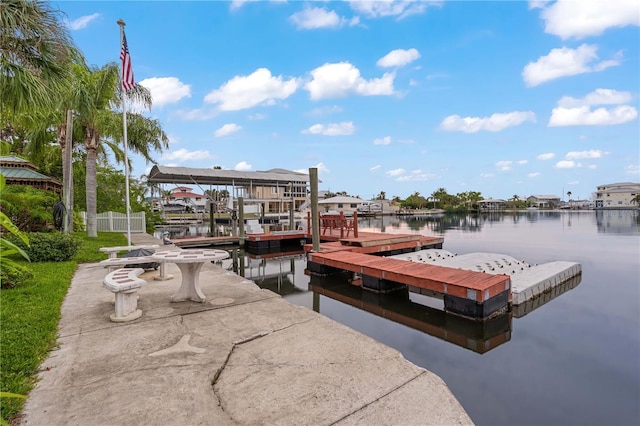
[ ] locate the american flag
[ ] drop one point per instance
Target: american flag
(127, 71)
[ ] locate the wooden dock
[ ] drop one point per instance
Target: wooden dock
(467, 293)
(206, 241)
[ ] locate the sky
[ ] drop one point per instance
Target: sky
(504, 98)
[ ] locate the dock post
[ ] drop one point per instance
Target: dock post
(315, 234)
(211, 221)
(241, 221)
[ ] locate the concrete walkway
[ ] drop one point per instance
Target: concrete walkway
(245, 356)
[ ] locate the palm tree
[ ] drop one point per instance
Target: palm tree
(34, 48)
(636, 199)
(102, 126)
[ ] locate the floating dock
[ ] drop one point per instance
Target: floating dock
(527, 281)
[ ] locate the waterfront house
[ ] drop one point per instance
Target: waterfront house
(491, 204)
(17, 171)
(184, 195)
(340, 203)
(544, 201)
(270, 191)
(617, 195)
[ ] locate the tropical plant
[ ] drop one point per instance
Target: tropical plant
(103, 127)
(34, 47)
(11, 272)
(29, 209)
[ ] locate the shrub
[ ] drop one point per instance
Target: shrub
(50, 247)
(30, 209)
(13, 274)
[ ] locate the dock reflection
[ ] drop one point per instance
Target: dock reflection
(477, 336)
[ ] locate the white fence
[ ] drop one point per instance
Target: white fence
(117, 222)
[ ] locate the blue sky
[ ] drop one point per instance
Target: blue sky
(505, 98)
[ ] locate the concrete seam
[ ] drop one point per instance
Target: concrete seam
(380, 397)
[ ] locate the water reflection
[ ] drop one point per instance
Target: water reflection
(398, 307)
(618, 221)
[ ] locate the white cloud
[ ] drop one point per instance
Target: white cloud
(398, 8)
(325, 110)
(563, 62)
(581, 155)
(374, 168)
(533, 175)
(537, 4)
(331, 129)
(81, 22)
(322, 169)
(227, 129)
(382, 141)
(398, 58)
(486, 175)
(580, 19)
(166, 90)
(258, 88)
(546, 156)
(522, 161)
(597, 97)
(592, 166)
(311, 18)
(197, 114)
(395, 172)
(504, 165)
(341, 79)
(185, 155)
(242, 166)
(583, 116)
(633, 169)
(567, 164)
(415, 176)
(237, 4)
(257, 116)
(495, 123)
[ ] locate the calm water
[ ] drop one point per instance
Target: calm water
(572, 361)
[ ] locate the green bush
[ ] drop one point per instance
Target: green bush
(13, 274)
(50, 247)
(30, 209)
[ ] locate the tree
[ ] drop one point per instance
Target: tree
(103, 126)
(381, 196)
(636, 199)
(34, 47)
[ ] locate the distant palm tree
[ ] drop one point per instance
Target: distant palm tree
(636, 199)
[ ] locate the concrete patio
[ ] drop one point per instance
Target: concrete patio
(244, 356)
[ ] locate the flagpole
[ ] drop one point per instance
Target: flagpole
(121, 23)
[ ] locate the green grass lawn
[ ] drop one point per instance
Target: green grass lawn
(29, 316)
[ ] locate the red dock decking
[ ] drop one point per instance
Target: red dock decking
(476, 286)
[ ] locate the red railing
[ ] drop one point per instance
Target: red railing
(331, 224)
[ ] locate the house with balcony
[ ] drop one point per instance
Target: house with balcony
(544, 201)
(491, 205)
(617, 195)
(273, 191)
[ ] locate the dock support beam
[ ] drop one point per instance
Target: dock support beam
(241, 221)
(315, 221)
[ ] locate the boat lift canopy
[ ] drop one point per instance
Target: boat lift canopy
(204, 176)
